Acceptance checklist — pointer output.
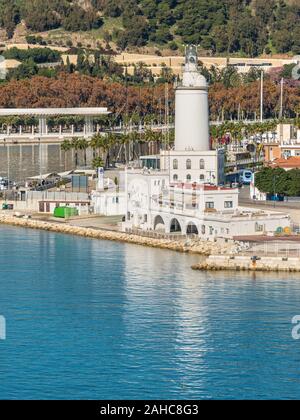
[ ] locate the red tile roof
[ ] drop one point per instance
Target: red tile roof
(289, 163)
(196, 186)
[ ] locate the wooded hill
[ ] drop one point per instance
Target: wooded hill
(247, 27)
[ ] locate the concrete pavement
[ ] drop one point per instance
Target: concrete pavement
(291, 208)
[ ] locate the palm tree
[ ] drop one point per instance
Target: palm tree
(235, 131)
(148, 119)
(66, 146)
(103, 145)
(125, 140)
(151, 137)
(97, 162)
(96, 143)
(111, 141)
(75, 147)
(134, 139)
(83, 145)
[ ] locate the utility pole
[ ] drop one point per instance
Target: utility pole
(40, 159)
(262, 97)
(8, 167)
(281, 98)
(166, 115)
(274, 189)
(8, 162)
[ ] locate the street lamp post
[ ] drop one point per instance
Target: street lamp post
(274, 190)
(262, 96)
(40, 160)
(8, 163)
(281, 98)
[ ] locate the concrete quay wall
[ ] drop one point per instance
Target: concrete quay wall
(242, 263)
(195, 246)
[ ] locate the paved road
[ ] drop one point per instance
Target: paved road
(291, 208)
(100, 222)
(264, 238)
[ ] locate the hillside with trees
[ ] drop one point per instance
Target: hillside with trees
(245, 27)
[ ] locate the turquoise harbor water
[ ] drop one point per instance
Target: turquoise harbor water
(102, 320)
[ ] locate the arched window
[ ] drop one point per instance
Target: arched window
(175, 177)
(203, 229)
(188, 164)
(202, 164)
(192, 229)
(175, 226)
(202, 178)
(175, 164)
(188, 177)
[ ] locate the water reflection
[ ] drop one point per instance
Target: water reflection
(168, 317)
(95, 319)
(18, 162)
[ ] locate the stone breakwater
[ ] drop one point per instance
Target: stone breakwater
(241, 263)
(181, 245)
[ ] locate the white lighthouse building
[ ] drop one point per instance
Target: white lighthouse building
(187, 195)
(191, 104)
(192, 159)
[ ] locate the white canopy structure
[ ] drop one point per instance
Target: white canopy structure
(88, 113)
(44, 177)
(48, 112)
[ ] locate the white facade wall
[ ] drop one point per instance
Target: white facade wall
(255, 194)
(34, 206)
(206, 167)
(285, 132)
(33, 199)
(257, 225)
(152, 204)
(109, 204)
(290, 150)
(192, 202)
(139, 190)
(212, 226)
(83, 208)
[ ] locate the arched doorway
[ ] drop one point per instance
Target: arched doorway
(192, 229)
(175, 226)
(159, 223)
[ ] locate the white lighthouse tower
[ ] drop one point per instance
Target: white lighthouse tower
(191, 107)
(192, 160)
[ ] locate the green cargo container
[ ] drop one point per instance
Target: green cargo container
(65, 212)
(6, 206)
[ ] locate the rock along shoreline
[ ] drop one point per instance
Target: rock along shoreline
(182, 245)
